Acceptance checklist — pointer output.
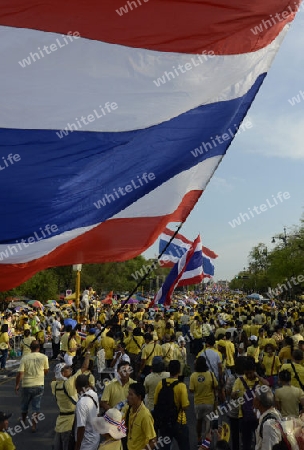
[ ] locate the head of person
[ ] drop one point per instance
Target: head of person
(297, 356)
(174, 367)
(4, 328)
(254, 340)
(240, 365)
(124, 370)
(136, 394)
(35, 346)
(27, 333)
(4, 420)
(210, 340)
(249, 368)
(121, 347)
(148, 337)
(264, 399)
(269, 349)
(201, 364)
(82, 383)
(284, 377)
(68, 328)
(110, 425)
(158, 364)
(181, 341)
(62, 372)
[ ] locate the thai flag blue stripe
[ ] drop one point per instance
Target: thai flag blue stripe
(59, 180)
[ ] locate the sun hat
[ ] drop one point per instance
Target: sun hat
(58, 371)
(253, 338)
(111, 423)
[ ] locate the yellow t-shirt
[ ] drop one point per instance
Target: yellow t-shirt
(6, 442)
(238, 386)
(254, 352)
(151, 350)
(33, 366)
(180, 398)
(4, 339)
(289, 398)
(115, 393)
(267, 363)
(64, 342)
(25, 345)
(108, 344)
(131, 345)
(140, 428)
(300, 371)
(230, 351)
(203, 384)
(285, 353)
(64, 423)
(72, 344)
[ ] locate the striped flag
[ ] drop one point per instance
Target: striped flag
(113, 121)
(164, 295)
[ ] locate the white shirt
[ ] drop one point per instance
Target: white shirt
(85, 412)
(56, 327)
(212, 359)
(271, 435)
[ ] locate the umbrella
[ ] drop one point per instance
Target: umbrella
(132, 301)
(35, 304)
(70, 322)
(52, 302)
(255, 296)
(106, 301)
(17, 304)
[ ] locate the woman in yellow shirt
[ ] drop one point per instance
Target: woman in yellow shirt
(254, 350)
(271, 364)
(4, 345)
(72, 348)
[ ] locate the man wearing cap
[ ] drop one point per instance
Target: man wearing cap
(32, 370)
(151, 349)
(112, 429)
(6, 442)
(65, 392)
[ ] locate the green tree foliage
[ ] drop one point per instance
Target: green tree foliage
(269, 269)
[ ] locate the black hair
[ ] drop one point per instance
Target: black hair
(82, 381)
(222, 445)
(158, 366)
(249, 364)
(174, 367)
(139, 389)
(285, 376)
(297, 355)
(4, 328)
(200, 364)
(68, 328)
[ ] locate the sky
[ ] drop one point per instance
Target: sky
(264, 160)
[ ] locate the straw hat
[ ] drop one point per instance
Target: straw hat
(110, 423)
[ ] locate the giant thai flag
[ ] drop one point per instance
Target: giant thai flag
(114, 115)
(164, 295)
(178, 246)
(194, 271)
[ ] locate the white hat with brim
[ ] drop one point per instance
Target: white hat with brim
(253, 338)
(111, 423)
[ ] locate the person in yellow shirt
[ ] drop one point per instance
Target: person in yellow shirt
(64, 390)
(159, 326)
(196, 331)
(25, 343)
(244, 388)
(151, 349)
(203, 384)
(116, 391)
(164, 422)
(72, 348)
(254, 329)
(4, 345)
(286, 351)
(139, 421)
(271, 364)
(254, 350)
(6, 442)
(229, 350)
(108, 344)
(296, 369)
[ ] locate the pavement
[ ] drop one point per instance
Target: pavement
(24, 439)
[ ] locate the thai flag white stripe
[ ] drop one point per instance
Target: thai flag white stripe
(66, 78)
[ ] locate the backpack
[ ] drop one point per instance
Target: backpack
(247, 407)
(165, 412)
(284, 444)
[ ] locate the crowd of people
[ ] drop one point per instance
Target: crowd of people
(125, 380)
